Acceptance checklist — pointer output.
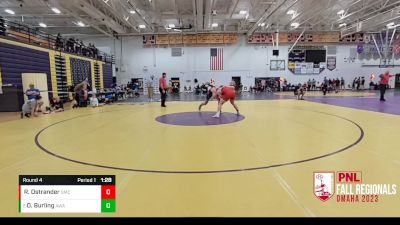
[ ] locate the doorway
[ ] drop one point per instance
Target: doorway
(238, 82)
(176, 85)
(397, 81)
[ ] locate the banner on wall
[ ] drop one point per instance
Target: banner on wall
(360, 48)
(331, 62)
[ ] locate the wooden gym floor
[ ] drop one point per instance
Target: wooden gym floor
(260, 166)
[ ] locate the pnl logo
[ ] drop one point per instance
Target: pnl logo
(349, 187)
(324, 185)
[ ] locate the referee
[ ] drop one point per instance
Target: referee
(163, 89)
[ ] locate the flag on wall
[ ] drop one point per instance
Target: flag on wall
(216, 59)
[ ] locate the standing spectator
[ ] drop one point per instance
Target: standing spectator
(313, 84)
(150, 88)
(362, 83)
(163, 89)
(59, 44)
(324, 87)
(337, 85)
(342, 85)
(309, 83)
(384, 82)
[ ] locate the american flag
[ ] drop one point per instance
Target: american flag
(216, 59)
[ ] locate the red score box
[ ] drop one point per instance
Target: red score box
(107, 191)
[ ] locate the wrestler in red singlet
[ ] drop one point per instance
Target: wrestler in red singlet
(224, 94)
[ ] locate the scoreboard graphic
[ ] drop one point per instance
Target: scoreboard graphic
(67, 194)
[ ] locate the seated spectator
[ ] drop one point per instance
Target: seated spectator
(94, 102)
(30, 107)
(56, 105)
(33, 93)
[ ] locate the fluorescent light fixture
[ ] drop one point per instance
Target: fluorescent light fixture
(214, 25)
(340, 12)
(263, 24)
(342, 25)
(80, 24)
(291, 12)
(242, 12)
(394, 26)
(9, 11)
(132, 12)
(142, 26)
(42, 25)
(390, 24)
(295, 25)
(56, 10)
(171, 25)
(127, 18)
(168, 28)
(177, 30)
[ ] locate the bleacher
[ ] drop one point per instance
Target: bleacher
(26, 34)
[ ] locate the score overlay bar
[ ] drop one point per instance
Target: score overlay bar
(67, 193)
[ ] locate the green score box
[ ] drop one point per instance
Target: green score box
(107, 205)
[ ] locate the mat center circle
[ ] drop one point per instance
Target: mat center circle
(199, 118)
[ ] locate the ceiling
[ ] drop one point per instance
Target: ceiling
(127, 17)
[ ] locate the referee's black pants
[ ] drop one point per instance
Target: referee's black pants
(382, 88)
(163, 96)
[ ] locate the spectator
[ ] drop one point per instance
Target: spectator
(56, 105)
(30, 107)
(362, 83)
(2, 26)
(342, 84)
(81, 93)
(33, 93)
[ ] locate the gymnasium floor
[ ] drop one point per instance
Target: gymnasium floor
(258, 165)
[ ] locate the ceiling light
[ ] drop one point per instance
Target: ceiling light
(214, 25)
(168, 28)
(127, 18)
(242, 12)
(177, 30)
(80, 24)
(263, 24)
(9, 11)
(291, 12)
(142, 26)
(393, 26)
(42, 25)
(295, 25)
(390, 24)
(340, 12)
(56, 10)
(132, 11)
(342, 25)
(171, 25)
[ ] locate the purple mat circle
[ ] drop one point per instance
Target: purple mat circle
(199, 118)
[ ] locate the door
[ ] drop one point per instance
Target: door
(237, 81)
(175, 85)
(397, 81)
